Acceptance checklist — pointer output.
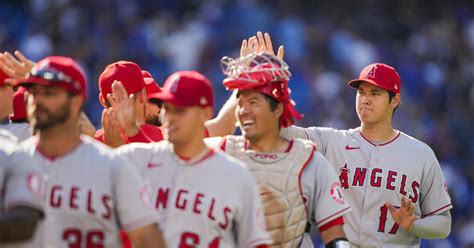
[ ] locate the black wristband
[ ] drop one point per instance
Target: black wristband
(338, 243)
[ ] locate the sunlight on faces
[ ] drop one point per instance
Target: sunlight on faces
(6, 97)
(373, 105)
(183, 123)
(51, 106)
(254, 115)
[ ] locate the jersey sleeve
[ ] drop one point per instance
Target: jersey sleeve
(251, 226)
(23, 182)
(133, 201)
(137, 153)
(433, 190)
(319, 135)
(328, 200)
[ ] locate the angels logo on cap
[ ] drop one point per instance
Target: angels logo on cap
(372, 71)
(174, 84)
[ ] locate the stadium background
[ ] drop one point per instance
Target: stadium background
(431, 43)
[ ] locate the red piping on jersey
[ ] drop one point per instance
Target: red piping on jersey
(289, 146)
(301, 173)
(52, 158)
(223, 143)
(337, 221)
(398, 135)
(208, 155)
(437, 210)
(333, 215)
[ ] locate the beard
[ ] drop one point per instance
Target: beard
(49, 119)
(153, 120)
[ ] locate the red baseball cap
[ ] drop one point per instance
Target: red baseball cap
(19, 105)
(381, 75)
(151, 86)
(185, 89)
(3, 77)
(126, 72)
(59, 71)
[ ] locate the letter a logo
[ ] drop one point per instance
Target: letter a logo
(174, 85)
(371, 73)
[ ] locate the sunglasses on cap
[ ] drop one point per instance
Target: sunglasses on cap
(51, 74)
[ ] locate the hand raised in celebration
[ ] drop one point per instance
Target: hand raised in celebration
(123, 104)
(15, 67)
(403, 216)
(260, 43)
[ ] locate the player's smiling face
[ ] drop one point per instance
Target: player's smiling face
(256, 119)
(372, 104)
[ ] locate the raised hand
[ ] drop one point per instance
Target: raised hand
(260, 43)
(112, 132)
(123, 104)
(403, 216)
(15, 67)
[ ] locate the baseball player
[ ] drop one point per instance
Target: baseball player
(203, 197)
(90, 191)
(298, 186)
(21, 203)
(392, 181)
(113, 133)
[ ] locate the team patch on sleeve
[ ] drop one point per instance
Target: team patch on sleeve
(36, 183)
(336, 193)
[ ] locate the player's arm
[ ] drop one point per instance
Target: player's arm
(19, 223)
(430, 227)
(147, 236)
(224, 123)
(333, 234)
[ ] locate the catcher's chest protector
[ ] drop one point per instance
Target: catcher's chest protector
(278, 176)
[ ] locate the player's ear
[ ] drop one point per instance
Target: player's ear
(396, 100)
(279, 110)
(77, 102)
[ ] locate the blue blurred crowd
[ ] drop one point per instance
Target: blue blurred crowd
(327, 43)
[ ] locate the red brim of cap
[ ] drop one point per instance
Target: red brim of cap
(239, 84)
(32, 80)
(27, 83)
(169, 97)
(356, 82)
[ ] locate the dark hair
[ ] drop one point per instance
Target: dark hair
(272, 101)
(391, 95)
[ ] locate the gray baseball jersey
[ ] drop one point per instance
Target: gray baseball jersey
(209, 201)
(372, 174)
(320, 187)
(7, 135)
(90, 195)
(20, 183)
(22, 131)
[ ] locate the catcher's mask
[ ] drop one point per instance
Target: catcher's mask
(265, 73)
